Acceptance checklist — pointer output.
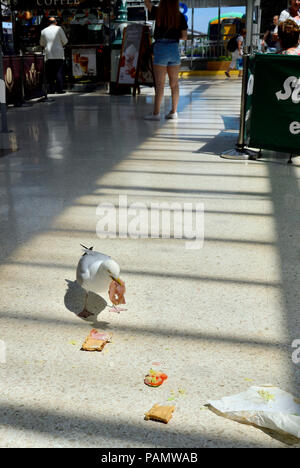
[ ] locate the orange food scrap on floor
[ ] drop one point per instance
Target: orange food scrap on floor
(160, 413)
(95, 341)
(155, 378)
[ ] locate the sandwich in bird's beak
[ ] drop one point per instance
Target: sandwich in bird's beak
(116, 291)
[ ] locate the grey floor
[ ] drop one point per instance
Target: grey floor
(219, 318)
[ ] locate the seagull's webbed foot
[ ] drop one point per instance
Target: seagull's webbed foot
(116, 309)
(85, 314)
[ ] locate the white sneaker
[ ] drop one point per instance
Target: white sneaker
(152, 117)
(171, 115)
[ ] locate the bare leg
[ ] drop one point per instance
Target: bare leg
(160, 77)
(227, 73)
(85, 313)
(231, 66)
(173, 80)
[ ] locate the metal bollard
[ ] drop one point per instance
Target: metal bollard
(240, 152)
(241, 138)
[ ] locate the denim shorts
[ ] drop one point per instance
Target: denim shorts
(239, 64)
(166, 53)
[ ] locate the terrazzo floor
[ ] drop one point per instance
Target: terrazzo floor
(219, 318)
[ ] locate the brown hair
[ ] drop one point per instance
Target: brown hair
(168, 14)
(288, 33)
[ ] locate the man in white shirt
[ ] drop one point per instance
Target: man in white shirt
(53, 39)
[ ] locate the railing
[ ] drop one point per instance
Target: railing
(201, 46)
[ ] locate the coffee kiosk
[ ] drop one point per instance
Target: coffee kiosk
(87, 24)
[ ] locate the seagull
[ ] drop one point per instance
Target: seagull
(95, 271)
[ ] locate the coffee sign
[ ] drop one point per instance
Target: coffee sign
(23, 4)
(51, 3)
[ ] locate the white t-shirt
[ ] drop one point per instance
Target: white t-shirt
(285, 15)
(53, 39)
(240, 39)
(237, 51)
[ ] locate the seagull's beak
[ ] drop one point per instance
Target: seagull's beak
(117, 280)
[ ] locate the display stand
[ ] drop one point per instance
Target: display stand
(270, 88)
(135, 64)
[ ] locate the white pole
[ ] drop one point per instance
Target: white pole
(192, 48)
(219, 29)
(249, 25)
(3, 95)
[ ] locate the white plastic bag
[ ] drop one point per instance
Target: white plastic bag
(265, 406)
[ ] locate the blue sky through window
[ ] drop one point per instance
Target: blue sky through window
(203, 15)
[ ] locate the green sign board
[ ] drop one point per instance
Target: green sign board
(273, 118)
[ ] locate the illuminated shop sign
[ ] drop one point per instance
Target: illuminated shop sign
(23, 4)
(57, 2)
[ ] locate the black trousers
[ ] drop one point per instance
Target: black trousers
(55, 75)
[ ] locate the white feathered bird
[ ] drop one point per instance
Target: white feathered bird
(95, 271)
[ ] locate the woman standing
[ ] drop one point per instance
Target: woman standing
(237, 56)
(170, 27)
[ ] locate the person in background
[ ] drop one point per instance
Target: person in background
(237, 56)
(292, 13)
(270, 39)
(170, 27)
(289, 33)
(53, 40)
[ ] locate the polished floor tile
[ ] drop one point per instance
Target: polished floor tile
(217, 317)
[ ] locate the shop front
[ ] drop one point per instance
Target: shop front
(87, 24)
